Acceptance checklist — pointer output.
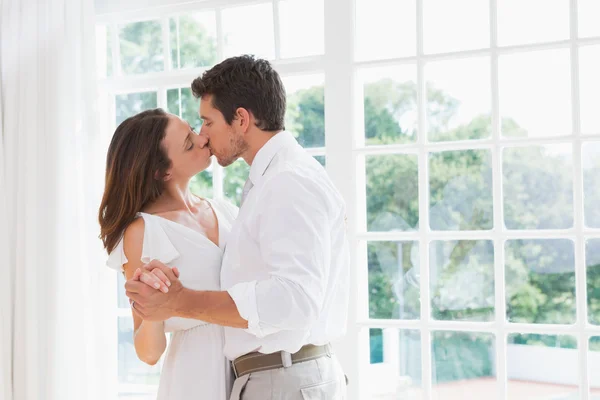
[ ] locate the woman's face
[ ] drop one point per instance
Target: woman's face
(188, 151)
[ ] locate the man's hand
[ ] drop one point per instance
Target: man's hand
(151, 304)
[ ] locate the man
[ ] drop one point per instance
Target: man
(286, 265)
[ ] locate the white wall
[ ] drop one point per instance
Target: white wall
(524, 363)
(549, 365)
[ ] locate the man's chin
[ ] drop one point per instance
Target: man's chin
(224, 163)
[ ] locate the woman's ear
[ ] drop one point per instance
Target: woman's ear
(166, 177)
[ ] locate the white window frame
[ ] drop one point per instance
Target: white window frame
(582, 330)
(345, 151)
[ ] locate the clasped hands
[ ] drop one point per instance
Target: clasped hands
(154, 291)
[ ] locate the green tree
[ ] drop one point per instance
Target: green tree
(305, 116)
(141, 47)
(235, 177)
(194, 47)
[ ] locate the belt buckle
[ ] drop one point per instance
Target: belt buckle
(286, 359)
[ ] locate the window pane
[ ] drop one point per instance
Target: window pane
(182, 102)
(385, 29)
(322, 160)
(376, 345)
(293, 16)
(535, 93)
(462, 280)
(201, 184)
(189, 108)
(173, 97)
(538, 187)
(392, 193)
(127, 105)
(589, 65)
(589, 10)
(592, 261)
(459, 99)
(136, 379)
(394, 280)
(515, 19)
(463, 365)
(461, 190)
(594, 366)
(390, 104)
(395, 368)
(591, 183)
(234, 179)
(543, 367)
(141, 46)
(249, 30)
(455, 25)
(305, 113)
(540, 281)
(193, 40)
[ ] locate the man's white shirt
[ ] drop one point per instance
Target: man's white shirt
(286, 264)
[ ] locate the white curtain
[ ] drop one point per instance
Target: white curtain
(5, 284)
(52, 332)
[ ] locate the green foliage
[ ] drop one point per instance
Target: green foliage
(595, 343)
(563, 341)
(197, 48)
(201, 184)
(128, 105)
(305, 116)
(141, 47)
(235, 177)
(461, 356)
(390, 296)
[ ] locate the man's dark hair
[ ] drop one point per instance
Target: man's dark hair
(245, 82)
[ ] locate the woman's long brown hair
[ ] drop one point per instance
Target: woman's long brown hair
(135, 167)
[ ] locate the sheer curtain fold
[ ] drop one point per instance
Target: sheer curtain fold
(52, 331)
(5, 284)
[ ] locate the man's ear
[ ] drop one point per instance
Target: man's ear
(242, 118)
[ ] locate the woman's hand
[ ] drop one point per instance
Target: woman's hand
(146, 302)
(155, 278)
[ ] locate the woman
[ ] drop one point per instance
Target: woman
(148, 212)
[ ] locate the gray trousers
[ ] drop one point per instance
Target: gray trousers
(310, 380)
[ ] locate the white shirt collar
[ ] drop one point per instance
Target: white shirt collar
(265, 155)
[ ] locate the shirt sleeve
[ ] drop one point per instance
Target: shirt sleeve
(295, 245)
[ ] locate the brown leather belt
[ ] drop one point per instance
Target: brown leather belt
(255, 362)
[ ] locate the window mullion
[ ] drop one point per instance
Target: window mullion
(423, 188)
(580, 245)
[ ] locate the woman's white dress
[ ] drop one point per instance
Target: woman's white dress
(194, 366)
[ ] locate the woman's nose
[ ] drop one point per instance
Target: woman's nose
(202, 140)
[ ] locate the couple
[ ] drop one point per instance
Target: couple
(254, 295)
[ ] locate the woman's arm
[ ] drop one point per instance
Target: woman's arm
(149, 337)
